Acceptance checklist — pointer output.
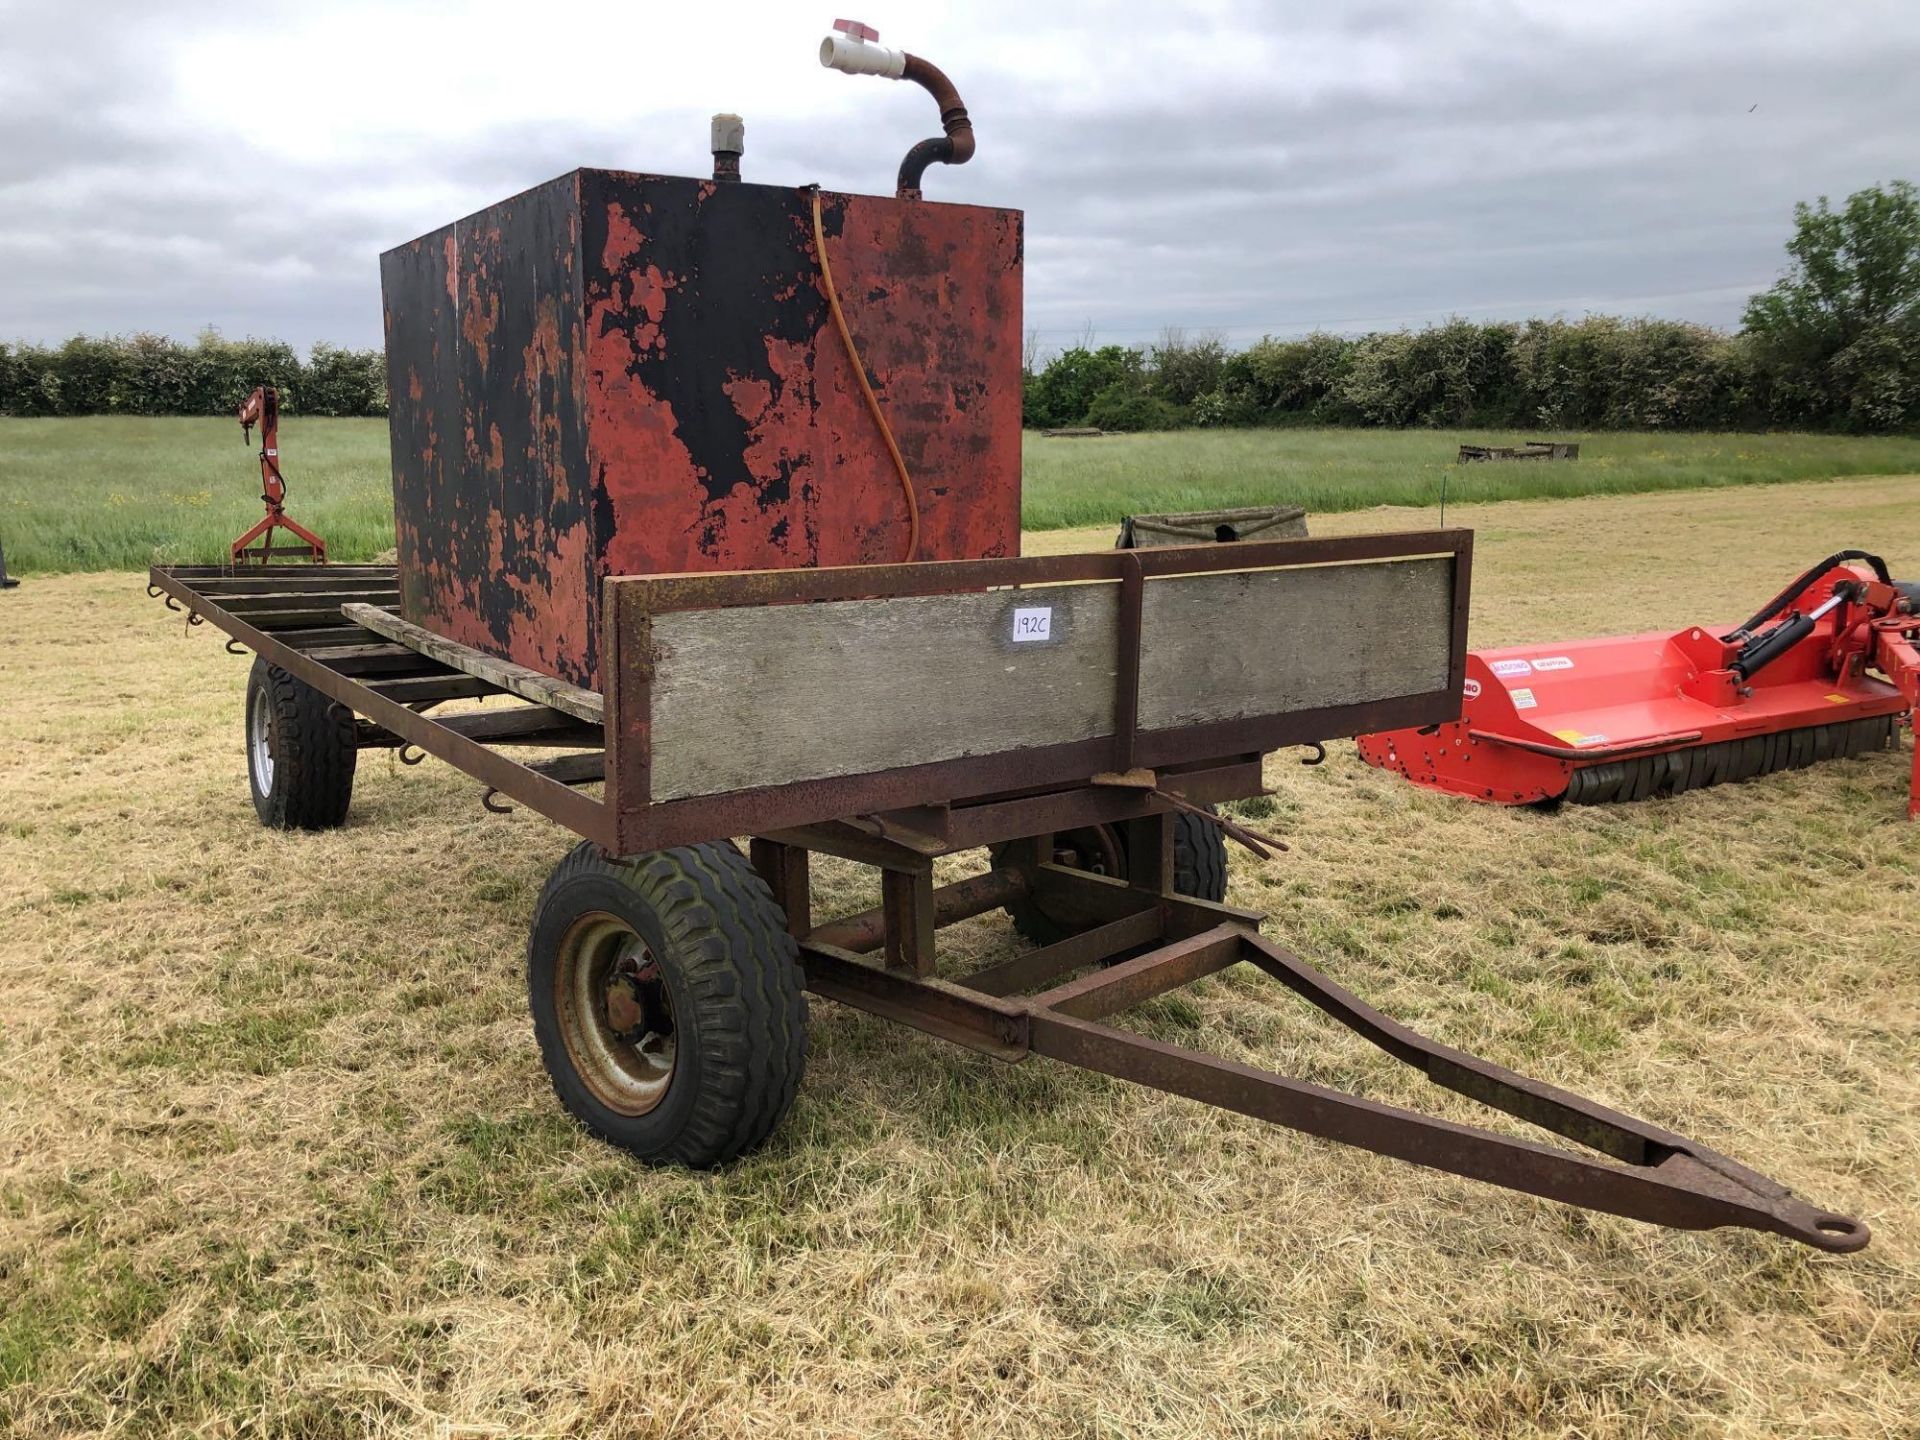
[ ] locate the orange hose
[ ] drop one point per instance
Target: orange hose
(860, 374)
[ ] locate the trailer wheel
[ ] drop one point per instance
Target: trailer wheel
(1199, 868)
(300, 752)
(666, 1001)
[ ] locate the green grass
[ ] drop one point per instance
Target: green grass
(1073, 482)
(120, 493)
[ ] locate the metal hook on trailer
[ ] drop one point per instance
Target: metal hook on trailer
(154, 592)
(234, 647)
(1319, 756)
(417, 756)
(487, 802)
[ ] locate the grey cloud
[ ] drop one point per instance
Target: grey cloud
(1494, 159)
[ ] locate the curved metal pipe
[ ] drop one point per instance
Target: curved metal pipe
(955, 147)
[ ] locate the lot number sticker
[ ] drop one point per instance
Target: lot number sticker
(1035, 623)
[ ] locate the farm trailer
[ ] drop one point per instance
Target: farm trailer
(893, 714)
(649, 495)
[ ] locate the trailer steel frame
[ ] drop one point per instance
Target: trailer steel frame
(1131, 939)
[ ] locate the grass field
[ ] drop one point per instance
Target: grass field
(123, 493)
(277, 1157)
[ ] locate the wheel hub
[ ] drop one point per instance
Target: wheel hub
(615, 1013)
(636, 1001)
(260, 741)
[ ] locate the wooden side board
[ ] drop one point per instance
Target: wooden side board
(751, 697)
(747, 702)
(773, 695)
(515, 679)
(1263, 642)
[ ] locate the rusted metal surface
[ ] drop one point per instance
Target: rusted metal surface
(1133, 982)
(908, 920)
(953, 147)
(1639, 1170)
(961, 900)
(624, 374)
(262, 408)
(386, 702)
(1036, 967)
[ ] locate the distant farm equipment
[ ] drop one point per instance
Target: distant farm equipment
(1200, 527)
(1531, 450)
(1828, 669)
(262, 408)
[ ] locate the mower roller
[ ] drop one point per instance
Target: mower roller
(1826, 670)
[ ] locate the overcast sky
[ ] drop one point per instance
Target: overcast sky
(1250, 168)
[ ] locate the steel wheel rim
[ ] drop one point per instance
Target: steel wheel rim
(260, 742)
(615, 1014)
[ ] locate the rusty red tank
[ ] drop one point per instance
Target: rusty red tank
(627, 374)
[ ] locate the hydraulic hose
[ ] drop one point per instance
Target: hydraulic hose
(1799, 587)
(860, 374)
(1764, 649)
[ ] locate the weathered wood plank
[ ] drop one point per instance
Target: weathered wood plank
(530, 725)
(515, 679)
(572, 769)
(1266, 642)
(409, 689)
(770, 695)
(264, 602)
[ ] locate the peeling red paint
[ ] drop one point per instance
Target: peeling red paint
(648, 380)
(624, 240)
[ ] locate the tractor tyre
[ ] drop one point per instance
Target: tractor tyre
(300, 752)
(1199, 868)
(666, 996)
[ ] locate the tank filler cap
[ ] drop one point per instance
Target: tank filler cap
(855, 49)
(729, 139)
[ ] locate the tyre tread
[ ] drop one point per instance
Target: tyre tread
(314, 753)
(731, 944)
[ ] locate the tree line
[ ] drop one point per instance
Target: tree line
(152, 375)
(1834, 344)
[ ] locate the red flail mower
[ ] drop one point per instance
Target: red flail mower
(1827, 669)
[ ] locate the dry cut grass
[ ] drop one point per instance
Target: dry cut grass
(277, 1156)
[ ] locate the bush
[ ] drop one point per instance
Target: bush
(1180, 370)
(151, 375)
(1288, 377)
(344, 382)
(1835, 343)
(1124, 406)
(1064, 391)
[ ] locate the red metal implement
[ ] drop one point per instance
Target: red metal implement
(262, 408)
(1828, 670)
